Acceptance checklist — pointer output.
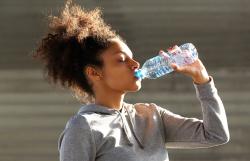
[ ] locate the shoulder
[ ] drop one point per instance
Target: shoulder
(149, 108)
(143, 105)
(77, 129)
(78, 122)
(145, 108)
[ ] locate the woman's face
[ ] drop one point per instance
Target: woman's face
(119, 67)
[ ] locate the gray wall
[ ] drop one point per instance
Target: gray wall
(33, 113)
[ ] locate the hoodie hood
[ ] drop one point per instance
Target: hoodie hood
(125, 115)
(95, 108)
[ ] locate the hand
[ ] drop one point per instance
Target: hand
(196, 71)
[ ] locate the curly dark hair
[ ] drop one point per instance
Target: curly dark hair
(75, 40)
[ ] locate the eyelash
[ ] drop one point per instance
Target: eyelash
(122, 61)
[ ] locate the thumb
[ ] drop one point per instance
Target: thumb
(177, 68)
(174, 66)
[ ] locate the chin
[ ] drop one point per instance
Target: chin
(134, 87)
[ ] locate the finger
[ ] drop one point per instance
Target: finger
(181, 69)
(174, 66)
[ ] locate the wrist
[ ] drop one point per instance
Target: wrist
(201, 78)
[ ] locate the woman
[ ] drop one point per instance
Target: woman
(84, 54)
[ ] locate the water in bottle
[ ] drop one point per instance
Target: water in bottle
(160, 65)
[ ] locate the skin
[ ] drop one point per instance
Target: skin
(116, 78)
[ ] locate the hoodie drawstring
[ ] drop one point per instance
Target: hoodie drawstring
(126, 128)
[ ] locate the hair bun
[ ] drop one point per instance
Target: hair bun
(80, 23)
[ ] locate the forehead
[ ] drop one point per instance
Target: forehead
(118, 47)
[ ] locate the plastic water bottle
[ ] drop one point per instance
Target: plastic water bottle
(160, 65)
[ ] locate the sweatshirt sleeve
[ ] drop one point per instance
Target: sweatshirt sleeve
(183, 132)
(76, 142)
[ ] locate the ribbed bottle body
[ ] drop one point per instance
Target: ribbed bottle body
(161, 64)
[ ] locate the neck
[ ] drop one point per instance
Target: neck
(112, 100)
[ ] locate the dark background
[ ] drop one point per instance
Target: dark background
(33, 112)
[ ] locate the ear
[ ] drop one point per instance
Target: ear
(93, 73)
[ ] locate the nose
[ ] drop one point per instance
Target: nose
(135, 65)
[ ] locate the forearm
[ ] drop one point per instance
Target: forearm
(183, 132)
(214, 115)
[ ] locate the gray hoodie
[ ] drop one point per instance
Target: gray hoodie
(143, 131)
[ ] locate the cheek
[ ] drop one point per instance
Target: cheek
(116, 78)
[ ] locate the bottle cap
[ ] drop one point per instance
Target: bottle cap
(138, 74)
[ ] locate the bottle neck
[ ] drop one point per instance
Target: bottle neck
(140, 73)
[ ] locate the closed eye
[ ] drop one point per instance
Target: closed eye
(122, 60)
